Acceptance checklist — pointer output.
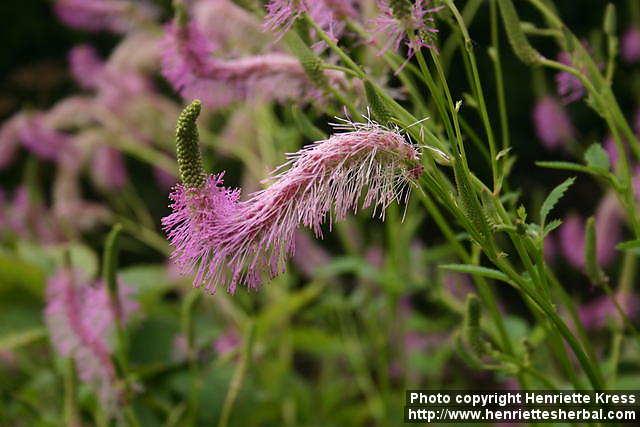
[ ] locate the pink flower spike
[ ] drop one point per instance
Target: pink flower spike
(80, 320)
(630, 46)
(552, 123)
(108, 169)
(227, 242)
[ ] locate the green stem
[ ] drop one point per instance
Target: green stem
(238, 375)
(502, 104)
(71, 411)
(189, 305)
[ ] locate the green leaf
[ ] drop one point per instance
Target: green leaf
(597, 158)
(489, 273)
(553, 198)
(630, 246)
(14, 340)
(552, 226)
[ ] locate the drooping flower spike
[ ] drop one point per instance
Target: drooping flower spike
(227, 242)
(189, 65)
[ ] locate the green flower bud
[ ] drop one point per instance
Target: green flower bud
(189, 160)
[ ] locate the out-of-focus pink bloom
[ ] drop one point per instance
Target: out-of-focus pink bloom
(42, 140)
(608, 217)
(569, 87)
(393, 26)
(80, 319)
(227, 242)
(597, 313)
(552, 124)
(612, 150)
(73, 112)
(636, 182)
(550, 248)
(108, 169)
(10, 139)
(27, 218)
(189, 66)
(630, 46)
(309, 256)
(3, 213)
(138, 52)
(118, 16)
(227, 342)
(572, 240)
(86, 66)
(113, 86)
(69, 209)
(233, 30)
(328, 14)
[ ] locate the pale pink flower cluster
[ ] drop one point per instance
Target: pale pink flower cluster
(80, 319)
(609, 219)
(552, 123)
(118, 16)
(229, 242)
(189, 65)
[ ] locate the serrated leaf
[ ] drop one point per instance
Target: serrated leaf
(489, 273)
(552, 226)
(553, 198)
(597, 158)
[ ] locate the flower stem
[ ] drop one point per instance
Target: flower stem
(238, 375)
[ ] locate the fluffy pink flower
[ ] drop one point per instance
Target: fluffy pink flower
(569, 87)
(596, 313)
(394, 26)
(228, 242)
(552, 124)
(328, 14)
(118, 16)
(630, 45)
(609, 217)
(108, 169)
(80, 319)
(189, 66)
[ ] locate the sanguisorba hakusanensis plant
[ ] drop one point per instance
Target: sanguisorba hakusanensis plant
(228, 240)
(268, 78)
